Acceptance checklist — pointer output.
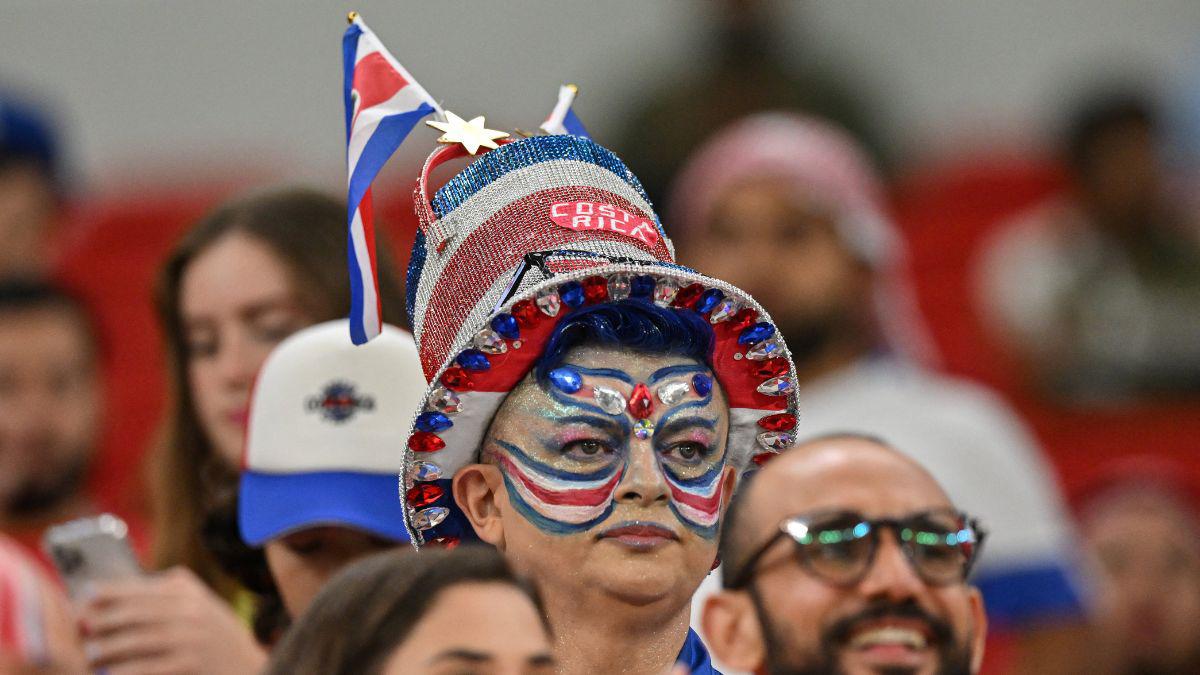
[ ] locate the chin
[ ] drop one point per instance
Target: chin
(642, 578)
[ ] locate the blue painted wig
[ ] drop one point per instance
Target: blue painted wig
(634, 324)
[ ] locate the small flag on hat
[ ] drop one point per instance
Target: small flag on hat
(562, 119)
(383, 104)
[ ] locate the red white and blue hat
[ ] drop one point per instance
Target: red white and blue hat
(322, 444)
(526, 234)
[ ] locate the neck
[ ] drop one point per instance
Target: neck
(602, 634)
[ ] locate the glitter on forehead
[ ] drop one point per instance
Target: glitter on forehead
(521, 154)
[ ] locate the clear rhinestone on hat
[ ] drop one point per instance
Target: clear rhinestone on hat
(610, 400)
(618, 287)
(549, 303)
(724, 309)
(423, 471)
(664, 292)
(427, 519)
(767, 349)
(673, 392)
(775, 440)
(444, 401)
(488, 340)
(776, 386)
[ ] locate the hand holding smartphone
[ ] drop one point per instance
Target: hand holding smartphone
(89, 551)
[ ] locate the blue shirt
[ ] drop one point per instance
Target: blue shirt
(695, 655)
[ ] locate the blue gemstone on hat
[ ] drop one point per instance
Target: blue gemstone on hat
(506, 325)
(572, 294)
(641, 286)
(566, 380)
(708, 300)
(702, 384)
(433, 422)
(473, 359)
(756, 333)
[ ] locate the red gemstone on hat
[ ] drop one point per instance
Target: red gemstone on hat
(778, 422)
(763, 457)
(424, 495)
(424, 441)
(456, 378)
(688, 295)
(743, 319)
(771, 367)
(444, 542)
(526, 312)
(640, 404)
(595, 289)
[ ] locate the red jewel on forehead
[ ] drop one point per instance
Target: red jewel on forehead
(641, 405)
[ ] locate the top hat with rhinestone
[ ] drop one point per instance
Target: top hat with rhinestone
(523, 236)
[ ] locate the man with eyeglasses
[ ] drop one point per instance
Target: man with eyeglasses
(843, 556)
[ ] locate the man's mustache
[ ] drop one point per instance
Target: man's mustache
(840, 631)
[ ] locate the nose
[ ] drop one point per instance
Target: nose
(891, 575)
(643, 483)
(237, 361)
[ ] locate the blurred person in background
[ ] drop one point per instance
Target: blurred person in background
(252, 272)
(437, 611)
(1141, 520)
(837, 561)
(1098, 289)
(50, 409)
(798, 192)
(318, 486)
(37, 630)
(747, 60)
(29, 188)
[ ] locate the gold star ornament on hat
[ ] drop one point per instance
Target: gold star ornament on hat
(473, 134)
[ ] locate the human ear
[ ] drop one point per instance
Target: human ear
(477, 490)
(728, 485)
(732, 631)
(979, 637)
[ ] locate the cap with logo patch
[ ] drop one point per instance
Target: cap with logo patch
(323, 442)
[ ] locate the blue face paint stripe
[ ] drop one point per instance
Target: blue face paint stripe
(669, 371)
(603, 372)
(546, 469)
(705, 479)
(709, 532)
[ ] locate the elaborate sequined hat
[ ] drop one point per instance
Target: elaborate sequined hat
(526, 234)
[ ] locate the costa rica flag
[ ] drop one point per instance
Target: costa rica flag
(383, 104)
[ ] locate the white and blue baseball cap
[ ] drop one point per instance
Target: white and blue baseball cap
(326, 434)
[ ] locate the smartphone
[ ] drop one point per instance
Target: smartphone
(91, 550)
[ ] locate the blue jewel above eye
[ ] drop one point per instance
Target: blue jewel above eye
(566, 380)
(473, 359)
(506, 325)
(641, 286)
(708, 300)
(756, 333)
(572, 294)
(433, 422)
(702, 384)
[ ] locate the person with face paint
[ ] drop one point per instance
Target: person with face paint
(592, 404)
(845, 557)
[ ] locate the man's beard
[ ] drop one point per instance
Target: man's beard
(35, 497)
(953, 658)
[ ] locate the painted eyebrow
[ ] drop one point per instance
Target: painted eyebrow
(603, 372)
(675, 370)
(461, 654)
(681, 423)
(613, 425)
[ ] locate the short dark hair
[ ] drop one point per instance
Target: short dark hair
(370, 607)
(25, 295)
(1102, 113)
(632, 323)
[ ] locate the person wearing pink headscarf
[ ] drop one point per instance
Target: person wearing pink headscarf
(798, 192)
